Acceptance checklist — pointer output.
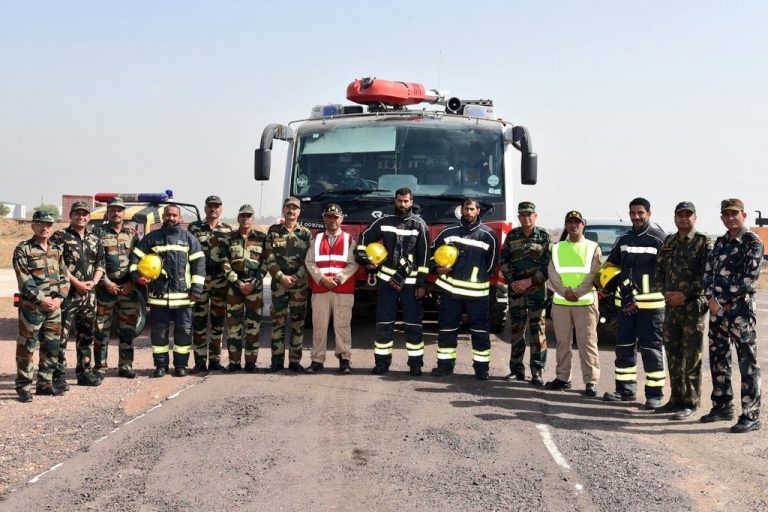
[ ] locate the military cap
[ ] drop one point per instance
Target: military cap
(573, 214)
(80, 205)
(245, 209)
(333, 209)
(213, 200)
(43, 216)
(731, 204)
(295, 201)
(685, 206)
(526, 206)
(116, 201)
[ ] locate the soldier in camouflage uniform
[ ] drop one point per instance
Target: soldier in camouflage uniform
(43, 285)
(116, 294)
(84, 256)
(286, 248)
(213, 301)
(242, 260)
(680, 277)
(730, 280)
(524, 263)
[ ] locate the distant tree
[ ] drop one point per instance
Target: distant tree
(4, 210)
(52, 208)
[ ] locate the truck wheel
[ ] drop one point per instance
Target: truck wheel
(497, 314)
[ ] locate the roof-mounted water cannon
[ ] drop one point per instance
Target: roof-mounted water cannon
(381, 95)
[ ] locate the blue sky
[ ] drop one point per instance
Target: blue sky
(665, 100)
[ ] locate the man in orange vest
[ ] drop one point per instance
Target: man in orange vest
(331, 264)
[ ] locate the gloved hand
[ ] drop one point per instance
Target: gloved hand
(397, 281)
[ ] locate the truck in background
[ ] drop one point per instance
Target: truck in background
(358, 155)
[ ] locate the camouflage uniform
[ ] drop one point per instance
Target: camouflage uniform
(213, 300)
(731, 278)
(118, 247)
(40, 274)
(680, 268)
(527, 257)
(285, 253)
(83, 257)
(242, 260)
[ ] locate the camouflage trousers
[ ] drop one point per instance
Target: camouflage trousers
(736, 326)
(126, 309)
(285, 300)
(211, 310)
(244, 314)
(683, 344)
(528, 311)
(78, 312)
(37, 328)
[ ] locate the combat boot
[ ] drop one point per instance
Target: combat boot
(88, 379)
(199, 367)
(416, 371)
(180, 371)
(745, 425)
(160, 371)
(49, 391)
(536, 380)
(482, 375)
(315, 367)
(215, 366)
(516, 376)
(344, 366)
(234, 367)
(127, 373)
(24, 396)
(379, 370)
(618, 397)
(251, 367)
(277, 365)
(60, 382)
(723, 413)
(442, 371)
(296, 367)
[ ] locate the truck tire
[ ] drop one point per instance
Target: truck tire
(497, 314)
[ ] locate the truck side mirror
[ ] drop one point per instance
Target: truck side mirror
(261, 164)
(528, 169)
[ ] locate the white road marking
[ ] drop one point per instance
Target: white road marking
(171, 397)
(38, 477)
(549, 444)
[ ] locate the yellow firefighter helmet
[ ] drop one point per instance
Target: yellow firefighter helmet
(376, 252)
(446, 255)
(606, 274)
(150, 266)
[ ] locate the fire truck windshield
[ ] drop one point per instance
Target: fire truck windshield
(432, 157)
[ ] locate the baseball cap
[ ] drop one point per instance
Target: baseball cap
(732, 204)
(573, 214)
(116, 201)
(526, 206)
(246, 209)
(333, 209)
(685, 205)
(213, 200)
(295, 201)
(43, 216)
(80, 205)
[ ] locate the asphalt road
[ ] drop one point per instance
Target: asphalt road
(334, 442)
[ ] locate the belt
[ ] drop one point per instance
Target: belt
(290, 271)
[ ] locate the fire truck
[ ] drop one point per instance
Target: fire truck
(399, 134)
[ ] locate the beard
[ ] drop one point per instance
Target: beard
(402, 211)
(170, 223)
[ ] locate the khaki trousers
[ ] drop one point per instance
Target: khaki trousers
(584, 320)
(339, 307)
